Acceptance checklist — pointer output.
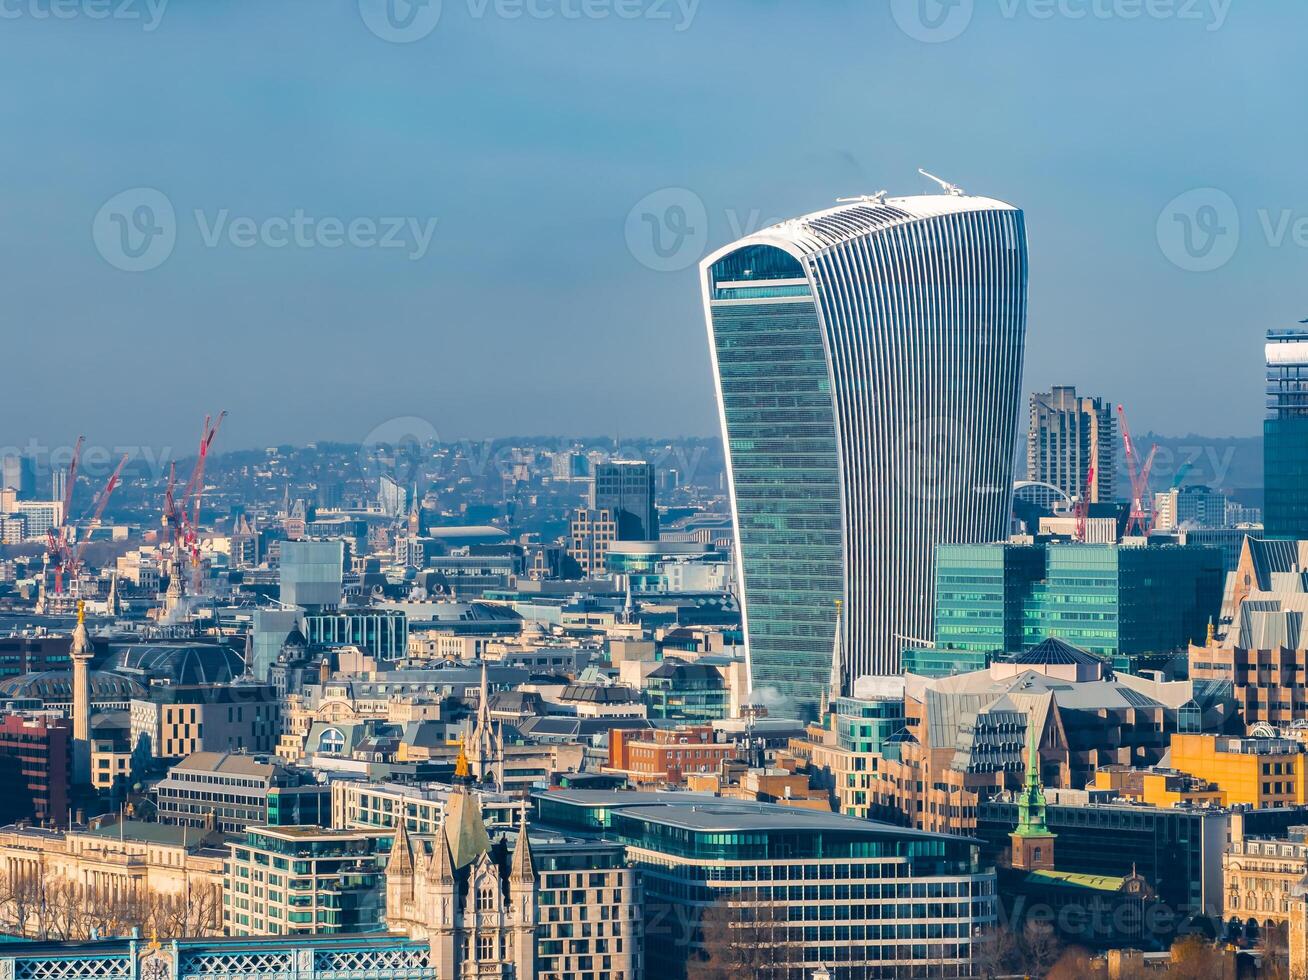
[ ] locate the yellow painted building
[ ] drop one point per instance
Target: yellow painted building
(1259, 772)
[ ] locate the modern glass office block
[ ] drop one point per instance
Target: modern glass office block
(868, 361)
(1285, 436)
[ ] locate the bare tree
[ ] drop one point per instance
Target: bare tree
(1041, 948)
(996, 953)
(1077, 964)
(1194, 958)
(745, 939)
(61, 909)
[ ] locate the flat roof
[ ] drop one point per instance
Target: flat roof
(703, 812)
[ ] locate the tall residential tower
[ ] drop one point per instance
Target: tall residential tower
(868, 361)
(1067, 435)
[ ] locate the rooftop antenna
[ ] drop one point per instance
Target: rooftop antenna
(953, 190)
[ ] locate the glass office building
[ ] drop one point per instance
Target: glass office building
(1285, 436)
(1123, 603)
(858, 897)
(868, 361)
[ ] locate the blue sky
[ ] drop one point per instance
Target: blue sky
(502, 153)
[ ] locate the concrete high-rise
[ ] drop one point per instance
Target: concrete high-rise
(1067, 435)
(868, 361)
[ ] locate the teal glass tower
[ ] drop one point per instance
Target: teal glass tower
(1285, 436)
(868, 361)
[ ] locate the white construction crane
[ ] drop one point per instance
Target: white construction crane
(953, 190)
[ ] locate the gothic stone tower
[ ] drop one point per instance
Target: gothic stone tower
(473, 902)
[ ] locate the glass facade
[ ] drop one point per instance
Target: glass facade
(860, 898)
(865, 726)
(868, 360)
(1120, 603)
(776, 401)
(1285, 436)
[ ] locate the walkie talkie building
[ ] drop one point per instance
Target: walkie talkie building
(868, 362)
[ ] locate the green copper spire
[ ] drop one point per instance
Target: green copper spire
(1031, 804)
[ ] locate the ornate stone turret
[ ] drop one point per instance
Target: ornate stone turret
(80, 653)
(484, 753)
(1033, 844)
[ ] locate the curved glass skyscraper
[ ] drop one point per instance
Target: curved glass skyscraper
(868, 362)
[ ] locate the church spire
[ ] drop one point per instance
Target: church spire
(835, 681)
(1031, 804)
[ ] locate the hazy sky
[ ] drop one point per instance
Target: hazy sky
(305, 148)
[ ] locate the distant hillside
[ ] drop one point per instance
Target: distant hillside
(1234, 464)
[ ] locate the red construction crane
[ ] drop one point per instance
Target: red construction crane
(1082, 508)
(1141, 516)
(182, 516)
(74, 544)
(57, 535)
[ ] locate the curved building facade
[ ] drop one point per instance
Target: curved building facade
(868, 362)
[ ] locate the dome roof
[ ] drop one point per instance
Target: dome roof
(180, 663)
(57, 685)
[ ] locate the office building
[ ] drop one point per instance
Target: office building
(173, 722)
(967, 732)
(147, 864)
(236, 791)
(305, 880)
(1256, 772)
(857, 897)
(1285, 436)
(1193, 506)
(1263, 658)
(1066, 436)
(312, 573)
(17, 473)
(590, 533)
(1178, 851)
(625, 488)
(1119, 602)
(868, 361)
(36, 766)
(1266, 860)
